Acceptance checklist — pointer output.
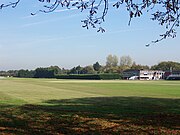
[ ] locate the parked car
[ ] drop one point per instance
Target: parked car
(134, 78)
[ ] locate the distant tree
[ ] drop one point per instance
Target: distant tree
(10, 73)
(76, 70)
(111, 69)
(88, 70)
(73, 71)
(3, 73)
(126, 61)
(139, 66)
(111, 61)
(56, 69)
(165, 12)
(97, 66)
(167, 66)
(44, 73)
(25, 73)
(64, 71)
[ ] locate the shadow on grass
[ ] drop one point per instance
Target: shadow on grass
(98, 115)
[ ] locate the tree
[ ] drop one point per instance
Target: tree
(56, 69)
(167, 66)
(111, 61)
(13, 73)
(64, 71)
(44, 73)
(165, 12)
(97, 66)
(76, 70)
(88, 70)
(126, 61)
(111, 70)
(73, 71)
(25, 73)
(139, 66)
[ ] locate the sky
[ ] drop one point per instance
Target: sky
(57, 38)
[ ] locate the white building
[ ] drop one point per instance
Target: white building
(151, 74)
(143, 74)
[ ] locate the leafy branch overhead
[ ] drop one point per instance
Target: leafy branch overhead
(165, 12)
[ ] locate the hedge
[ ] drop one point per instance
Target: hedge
(90, 76)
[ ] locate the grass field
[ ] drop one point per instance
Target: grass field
(50, 106)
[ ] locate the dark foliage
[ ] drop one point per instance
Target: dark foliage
(96, 66)
(25, 73)
(167, 66)
(90, 76)
(44, 73)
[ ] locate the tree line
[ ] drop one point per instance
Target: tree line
(114, 67)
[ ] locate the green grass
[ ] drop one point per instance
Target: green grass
(51, 106)
(38, 90)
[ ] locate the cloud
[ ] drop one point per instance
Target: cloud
(36, 23)
(29, 16)
(50, 20)
(64, 10)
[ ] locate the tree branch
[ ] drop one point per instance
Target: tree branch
(13, 4)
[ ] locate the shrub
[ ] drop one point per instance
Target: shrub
(90, 76)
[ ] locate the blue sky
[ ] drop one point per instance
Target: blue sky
(28, 42)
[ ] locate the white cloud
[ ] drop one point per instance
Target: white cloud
(29, 16)
(35, 23)
(64, 10)
(51, 20)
